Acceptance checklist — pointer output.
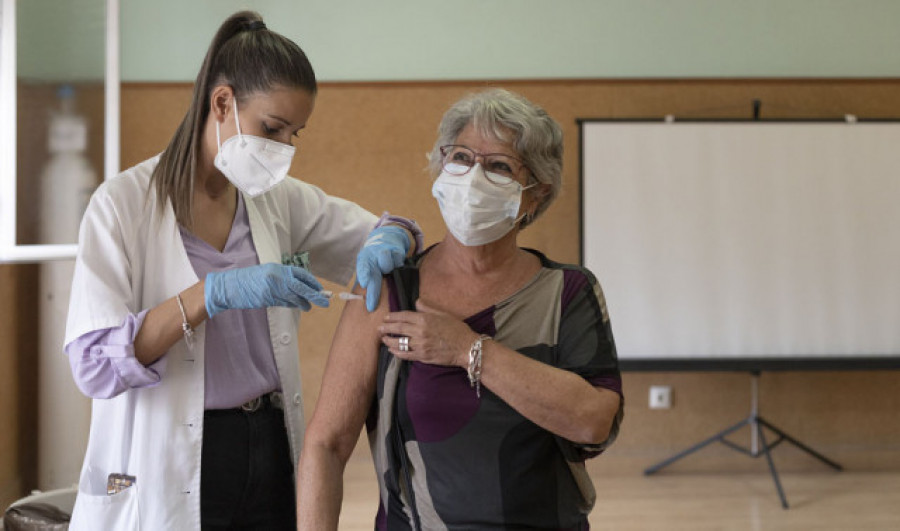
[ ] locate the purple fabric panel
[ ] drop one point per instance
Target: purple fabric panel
(483, 321)
(103, 363)
(607, 382)
(573, 282)
(439, 401)
(381, 517)
(393, 299)
(240, 362)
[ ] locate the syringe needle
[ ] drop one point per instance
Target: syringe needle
(347, 296)
(343, 295)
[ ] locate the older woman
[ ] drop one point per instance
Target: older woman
(488, 374)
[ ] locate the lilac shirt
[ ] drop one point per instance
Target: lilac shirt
(240, 362)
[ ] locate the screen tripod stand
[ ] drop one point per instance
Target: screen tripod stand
(759, 446)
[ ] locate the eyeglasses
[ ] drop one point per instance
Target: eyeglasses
(500, 169)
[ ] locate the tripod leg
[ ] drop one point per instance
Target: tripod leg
(801, 446)
(765, 450)
(666, 462)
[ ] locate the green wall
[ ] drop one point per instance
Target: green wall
(362, 40)
(60, 40)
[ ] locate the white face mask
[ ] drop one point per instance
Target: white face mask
(253, 164)
(476, 210)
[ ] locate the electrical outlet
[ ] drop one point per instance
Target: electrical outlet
(660, 397)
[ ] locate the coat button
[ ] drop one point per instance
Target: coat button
(297, 398)
(285, 338)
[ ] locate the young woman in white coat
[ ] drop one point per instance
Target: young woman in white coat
(187, 294)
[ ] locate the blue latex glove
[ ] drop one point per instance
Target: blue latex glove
(384, 251)
(262, 286)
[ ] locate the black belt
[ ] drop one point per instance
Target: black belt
(273, 400)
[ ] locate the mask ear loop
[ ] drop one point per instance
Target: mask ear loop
(527, 217)
(218, 138)
(519, 220)
(524, 220)
(238, 123)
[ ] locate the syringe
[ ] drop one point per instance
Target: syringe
(343, 295)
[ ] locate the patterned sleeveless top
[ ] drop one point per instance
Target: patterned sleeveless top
(446, 459)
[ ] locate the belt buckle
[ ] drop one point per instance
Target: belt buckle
(253, 405)
(277, 400)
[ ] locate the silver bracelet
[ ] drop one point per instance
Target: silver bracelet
(476, 352)
(185, 325)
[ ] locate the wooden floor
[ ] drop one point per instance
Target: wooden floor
(689, 501)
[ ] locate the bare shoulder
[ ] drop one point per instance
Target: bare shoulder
(359, 325)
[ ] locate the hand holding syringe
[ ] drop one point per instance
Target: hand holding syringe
(301, 259)
(343, 295)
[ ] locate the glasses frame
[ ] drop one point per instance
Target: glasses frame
(447, 148)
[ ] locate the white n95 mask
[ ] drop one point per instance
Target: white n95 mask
(476, 210)
(253, 164)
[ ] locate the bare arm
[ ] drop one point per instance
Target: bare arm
(557, 400)
(346, 393)
(162, 325)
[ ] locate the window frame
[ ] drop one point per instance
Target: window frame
(10, 250)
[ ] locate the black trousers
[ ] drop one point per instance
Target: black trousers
(247, 474)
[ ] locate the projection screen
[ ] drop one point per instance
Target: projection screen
(734, 241)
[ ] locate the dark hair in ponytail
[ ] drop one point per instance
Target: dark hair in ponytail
(249, 58)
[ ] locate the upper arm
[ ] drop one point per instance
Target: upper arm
(348, 385)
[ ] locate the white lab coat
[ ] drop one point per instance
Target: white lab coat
(130, 258)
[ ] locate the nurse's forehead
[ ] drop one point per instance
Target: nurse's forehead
(292, 106)
(281, 96)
